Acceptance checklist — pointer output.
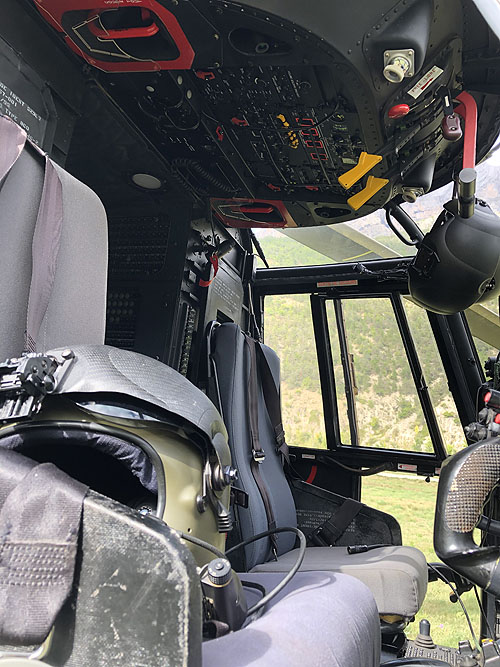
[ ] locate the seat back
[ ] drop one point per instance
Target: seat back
(72, 294)
(232, 363)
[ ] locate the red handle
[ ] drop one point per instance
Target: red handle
(256, 209)
(468, 110)
(123, 33)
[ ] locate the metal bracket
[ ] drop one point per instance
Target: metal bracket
(208, 497)
(25, 381)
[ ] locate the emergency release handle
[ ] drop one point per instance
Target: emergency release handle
(96, 28)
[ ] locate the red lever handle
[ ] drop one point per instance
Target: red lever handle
(122, 33)
(256, 209)
(468, 110)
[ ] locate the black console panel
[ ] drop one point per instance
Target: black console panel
(294, 93)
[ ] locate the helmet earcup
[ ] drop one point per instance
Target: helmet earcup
(458, 261)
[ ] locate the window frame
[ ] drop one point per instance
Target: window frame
(408, 345)
(371, 278)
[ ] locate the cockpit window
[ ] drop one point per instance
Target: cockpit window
(386, 405)
(289, 332)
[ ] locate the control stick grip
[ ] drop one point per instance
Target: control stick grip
(465, 483)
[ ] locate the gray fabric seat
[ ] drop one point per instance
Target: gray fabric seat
(76, 308)
(75, 316)
(320, 618)
(396, 575)
(391, 573)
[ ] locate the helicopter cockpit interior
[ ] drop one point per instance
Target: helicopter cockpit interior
(152, 509)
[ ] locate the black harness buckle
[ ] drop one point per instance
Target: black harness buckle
(25, 381)
(258, 455)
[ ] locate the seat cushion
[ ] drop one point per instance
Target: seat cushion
(396, 575)
(320, 618)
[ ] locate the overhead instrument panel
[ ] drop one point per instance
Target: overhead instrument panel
(289, 113)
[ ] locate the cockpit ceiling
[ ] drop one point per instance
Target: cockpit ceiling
(287, 114)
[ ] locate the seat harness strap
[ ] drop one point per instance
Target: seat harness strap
(48, 227)
(273, 403)
(258, 455)
(333, 528)
(39, 527)
(45, 249)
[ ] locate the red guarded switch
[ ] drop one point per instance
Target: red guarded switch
(398, 111)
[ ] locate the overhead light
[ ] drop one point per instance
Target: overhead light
(146, 181)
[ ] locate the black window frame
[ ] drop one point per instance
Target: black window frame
(413, 361)
(385, 278)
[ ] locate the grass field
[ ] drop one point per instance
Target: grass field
(411, 501)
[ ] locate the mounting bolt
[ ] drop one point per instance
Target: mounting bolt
(230, 475)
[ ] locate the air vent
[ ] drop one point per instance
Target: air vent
(121, 319)
(138, 246)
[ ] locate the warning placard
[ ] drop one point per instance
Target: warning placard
(14, 107)
(26, 98)
(423, 83)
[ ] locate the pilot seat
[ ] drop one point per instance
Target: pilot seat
(54, 259)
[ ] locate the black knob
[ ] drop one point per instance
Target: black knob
(219, 571)
(424, 627)
(424, 639)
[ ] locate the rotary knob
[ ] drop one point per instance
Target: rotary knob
(219, 571)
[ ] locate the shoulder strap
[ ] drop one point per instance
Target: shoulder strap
(48, 226)
(39, 527)
(45, 250)
(258, 454)
(273, 403)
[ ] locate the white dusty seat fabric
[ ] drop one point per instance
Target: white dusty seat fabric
(396, 575)
(320, 618)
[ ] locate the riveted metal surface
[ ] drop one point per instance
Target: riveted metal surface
(472, 485)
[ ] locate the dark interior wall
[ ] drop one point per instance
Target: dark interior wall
(159, 241)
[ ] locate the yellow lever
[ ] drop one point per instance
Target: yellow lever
(365, 163)
(373, 185)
